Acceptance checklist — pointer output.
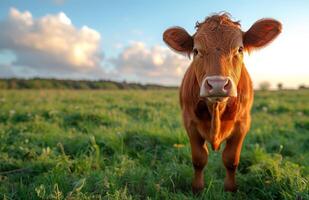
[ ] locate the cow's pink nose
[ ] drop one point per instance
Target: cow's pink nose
(217, 86)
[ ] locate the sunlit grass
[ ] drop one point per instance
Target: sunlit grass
(61, 144)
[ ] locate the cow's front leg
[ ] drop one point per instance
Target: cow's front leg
(231, 155)
(199, 159)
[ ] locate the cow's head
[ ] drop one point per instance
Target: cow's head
(217, 48)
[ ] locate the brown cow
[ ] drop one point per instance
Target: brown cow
(216, 93)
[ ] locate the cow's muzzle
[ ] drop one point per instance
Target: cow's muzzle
(218, 88)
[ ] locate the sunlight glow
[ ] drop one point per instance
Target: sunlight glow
(284, 61)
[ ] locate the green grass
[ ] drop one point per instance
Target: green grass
(62, 144)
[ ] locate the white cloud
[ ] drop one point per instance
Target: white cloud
(157, 64)
(51, 45)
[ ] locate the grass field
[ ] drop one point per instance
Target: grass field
(62, 144)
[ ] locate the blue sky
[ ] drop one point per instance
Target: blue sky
(125, 25)
(126, 20)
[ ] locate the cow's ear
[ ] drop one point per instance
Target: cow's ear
(178, 39)
(261, 33)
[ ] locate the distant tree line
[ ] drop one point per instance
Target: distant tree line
(265, 85)
(40, 83)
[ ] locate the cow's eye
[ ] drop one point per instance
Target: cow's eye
(195, 52)
(240, 49)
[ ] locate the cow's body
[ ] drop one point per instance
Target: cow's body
(199, 114)
(232, 124)
(216, 93)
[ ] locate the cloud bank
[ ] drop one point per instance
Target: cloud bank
(150, 65)
(51, 46)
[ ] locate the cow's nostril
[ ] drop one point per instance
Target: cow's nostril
(227, 84)
(208, 85)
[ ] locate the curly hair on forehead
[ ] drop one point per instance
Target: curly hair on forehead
(223, 18)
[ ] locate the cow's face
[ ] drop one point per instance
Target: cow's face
(217, 48)
(218, 59)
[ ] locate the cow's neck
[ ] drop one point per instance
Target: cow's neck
(216, 111)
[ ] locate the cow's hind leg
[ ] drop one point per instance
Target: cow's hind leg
(199, 160)
(231, 155)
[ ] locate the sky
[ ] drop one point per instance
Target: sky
(122, 40)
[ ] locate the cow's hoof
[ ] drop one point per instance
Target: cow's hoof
(230, 187)
(198, 188)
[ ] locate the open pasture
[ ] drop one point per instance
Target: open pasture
(130, 144)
